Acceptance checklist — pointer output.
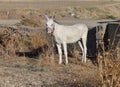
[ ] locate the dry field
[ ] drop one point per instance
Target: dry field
(28, 58)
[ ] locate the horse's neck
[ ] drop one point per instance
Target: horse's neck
(57, 26)
(58, 29)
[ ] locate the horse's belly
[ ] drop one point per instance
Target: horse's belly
(72, 39)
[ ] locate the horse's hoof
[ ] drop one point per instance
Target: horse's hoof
(66, 63)
(59, 62)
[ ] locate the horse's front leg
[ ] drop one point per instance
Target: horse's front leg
(60, 53)
(65, 52)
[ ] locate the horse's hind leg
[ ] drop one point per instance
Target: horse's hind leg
(84, 40)
(80, 44)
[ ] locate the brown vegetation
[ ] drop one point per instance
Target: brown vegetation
(109, 63)
(33, 21)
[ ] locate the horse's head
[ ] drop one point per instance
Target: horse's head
(49, 25)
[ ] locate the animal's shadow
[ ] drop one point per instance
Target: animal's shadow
(34, 53)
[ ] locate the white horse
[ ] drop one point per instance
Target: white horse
(67, 34)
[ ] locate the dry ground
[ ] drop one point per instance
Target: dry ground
(28, 73)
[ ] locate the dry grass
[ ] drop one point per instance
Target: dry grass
(12, 41)
(33, 21)
(38, 40)
(109, 63)
(33, 17)
(9, 40)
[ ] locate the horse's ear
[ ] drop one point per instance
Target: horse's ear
(46, 17)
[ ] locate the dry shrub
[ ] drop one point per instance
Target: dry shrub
(1, 47)
(109, 63)
(9, 38)
(17, 41)
(38, 39)
(33, 21)
(26, 45)
(12, 40)
(110, 73)
(41, 44)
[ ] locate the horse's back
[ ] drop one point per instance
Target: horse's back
(81, 27)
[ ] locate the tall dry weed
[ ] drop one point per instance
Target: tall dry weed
(109, 63)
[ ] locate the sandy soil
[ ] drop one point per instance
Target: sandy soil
(29, 73)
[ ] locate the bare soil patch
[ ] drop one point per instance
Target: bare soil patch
(30, 72)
